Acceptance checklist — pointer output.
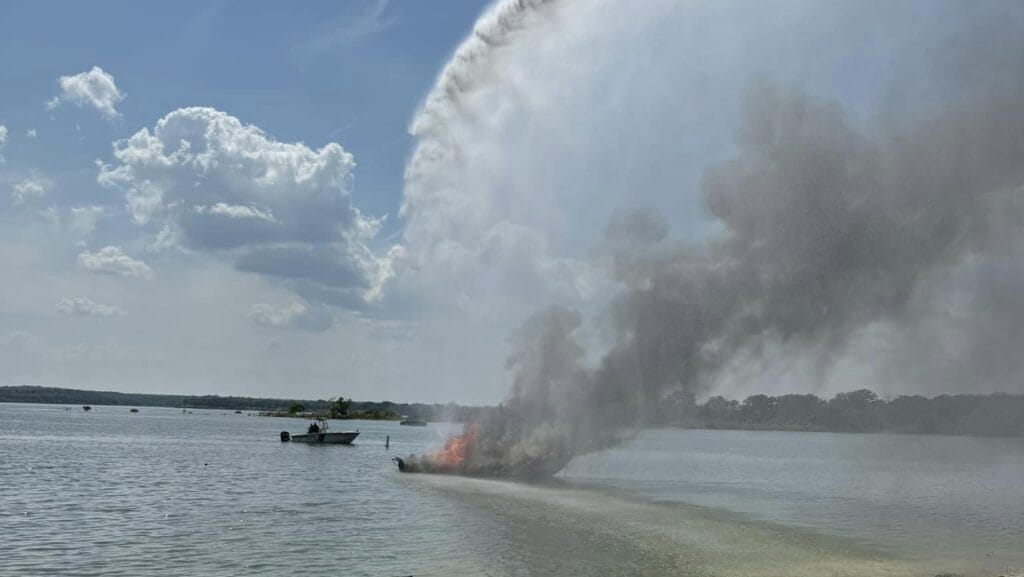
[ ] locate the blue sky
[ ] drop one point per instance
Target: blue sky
(351, 72)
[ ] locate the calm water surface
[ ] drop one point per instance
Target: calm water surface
(910, 494)
(163, 493)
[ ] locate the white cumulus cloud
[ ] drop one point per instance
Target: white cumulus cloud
(204, 181)
(83, 306)
(112, 260)
(293, 316)
(94, 88)
(29, 189)
(3, 141)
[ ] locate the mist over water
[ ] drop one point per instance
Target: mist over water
(845, 245)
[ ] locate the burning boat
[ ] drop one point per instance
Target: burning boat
(548, 417)
(471, 454)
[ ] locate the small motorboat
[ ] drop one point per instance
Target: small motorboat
(317, 434)
(414, 422)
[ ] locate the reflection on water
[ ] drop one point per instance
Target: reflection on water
(161, 493)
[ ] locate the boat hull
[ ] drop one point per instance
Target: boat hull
(344, 438)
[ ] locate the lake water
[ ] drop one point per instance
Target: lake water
(159, 492)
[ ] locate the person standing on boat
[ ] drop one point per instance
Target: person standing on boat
(313, 428)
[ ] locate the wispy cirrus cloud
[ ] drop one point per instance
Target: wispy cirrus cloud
(353, 24)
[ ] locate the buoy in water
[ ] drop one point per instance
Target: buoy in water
(285, 437)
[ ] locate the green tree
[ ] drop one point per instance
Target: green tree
(758, 409)
(800, 412)
(856, 411)
(296, 407)
(339, 408)
(719, 412)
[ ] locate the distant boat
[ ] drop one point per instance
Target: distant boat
(134, 410)
(86, 408)
(318, 435)
(238, 412)
(414, 422)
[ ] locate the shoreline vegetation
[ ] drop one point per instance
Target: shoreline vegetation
(862, 411)
(336, 408)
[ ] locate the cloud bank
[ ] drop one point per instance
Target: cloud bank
(203, 181)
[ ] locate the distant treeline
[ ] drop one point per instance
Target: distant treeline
(52, 395)
(860, 411)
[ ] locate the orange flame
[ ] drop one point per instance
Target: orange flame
(454, 451)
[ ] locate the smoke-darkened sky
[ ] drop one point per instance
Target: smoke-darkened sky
(740, 197)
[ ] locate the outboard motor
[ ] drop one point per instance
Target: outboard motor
(285, 437)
